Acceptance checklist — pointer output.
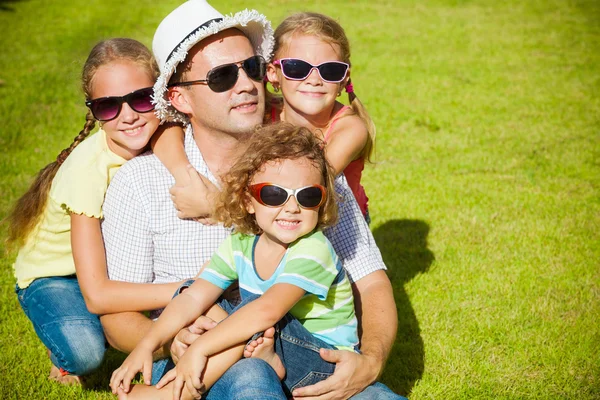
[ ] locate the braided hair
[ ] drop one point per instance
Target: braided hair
(28, 209)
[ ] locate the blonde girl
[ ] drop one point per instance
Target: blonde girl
(62, 281)
(311, 67)
(277, 197)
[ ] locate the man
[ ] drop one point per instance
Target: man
(146, 242)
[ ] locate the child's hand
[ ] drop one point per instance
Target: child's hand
(140, 359)
(195, 199)
(188, 372)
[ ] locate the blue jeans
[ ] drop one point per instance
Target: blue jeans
(74, 336)
(297, 348)
(247, 379)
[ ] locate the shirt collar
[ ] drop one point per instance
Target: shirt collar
(195, 156)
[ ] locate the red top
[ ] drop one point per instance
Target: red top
(353, 171)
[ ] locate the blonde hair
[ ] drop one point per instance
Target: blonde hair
(330, 31)
(29, 208)
(279, 141)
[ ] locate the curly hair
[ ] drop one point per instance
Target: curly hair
(280, 141)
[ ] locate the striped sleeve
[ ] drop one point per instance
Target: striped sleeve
(221, 270)
(311, 265)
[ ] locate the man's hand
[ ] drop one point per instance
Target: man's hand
(188, 335)
(353, 373)
(196, 199)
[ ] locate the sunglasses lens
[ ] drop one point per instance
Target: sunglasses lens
(222, 78)
(273, 196)
(255, 67)
(333, 71)
(309, 197)
(105, 109)
(295, 69)
(141, 100)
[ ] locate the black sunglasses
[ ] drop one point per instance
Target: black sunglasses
(298, 70)
(222, 78)
(272, 195)
(108, 108)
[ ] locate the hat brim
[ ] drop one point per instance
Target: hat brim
(253, 24)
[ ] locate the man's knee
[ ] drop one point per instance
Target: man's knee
(249, 370)
(377, 391)
(249, 378)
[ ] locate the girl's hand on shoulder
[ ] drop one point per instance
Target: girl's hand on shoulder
(195, 199)
(140, 359)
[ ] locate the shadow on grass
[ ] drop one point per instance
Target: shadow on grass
(5, 5)
(403, 245)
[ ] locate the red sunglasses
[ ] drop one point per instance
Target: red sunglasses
(272, 195)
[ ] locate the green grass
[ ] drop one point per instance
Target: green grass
(485, 198)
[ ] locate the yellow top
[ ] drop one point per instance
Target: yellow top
(78, 187)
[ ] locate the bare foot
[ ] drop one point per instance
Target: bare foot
(263, 348)
(64, 379)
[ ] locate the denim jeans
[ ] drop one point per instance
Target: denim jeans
(57, 310)
(247, 379)
(297, 348)
(377, 391)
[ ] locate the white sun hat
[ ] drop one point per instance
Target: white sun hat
(186, 26)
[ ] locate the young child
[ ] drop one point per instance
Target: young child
(61, 267)
(277, 197)
(311, 67)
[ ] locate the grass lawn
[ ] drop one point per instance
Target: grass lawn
(485, 197)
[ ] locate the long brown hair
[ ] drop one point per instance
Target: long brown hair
(279, 141)
(330, 31)
(29, 208)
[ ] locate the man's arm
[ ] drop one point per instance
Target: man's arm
(377, 316)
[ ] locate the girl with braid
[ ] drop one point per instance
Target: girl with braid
(62, 283)
(311, 68)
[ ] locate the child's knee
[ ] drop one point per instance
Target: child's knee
(83, 349)
(89, 360)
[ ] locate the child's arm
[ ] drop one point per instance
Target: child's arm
(346, 142)
(256, 316)
(180, 312)
(168, 145)
(196, 199)
(102, 295)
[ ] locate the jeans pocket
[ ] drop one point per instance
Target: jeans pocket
(310, 379)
